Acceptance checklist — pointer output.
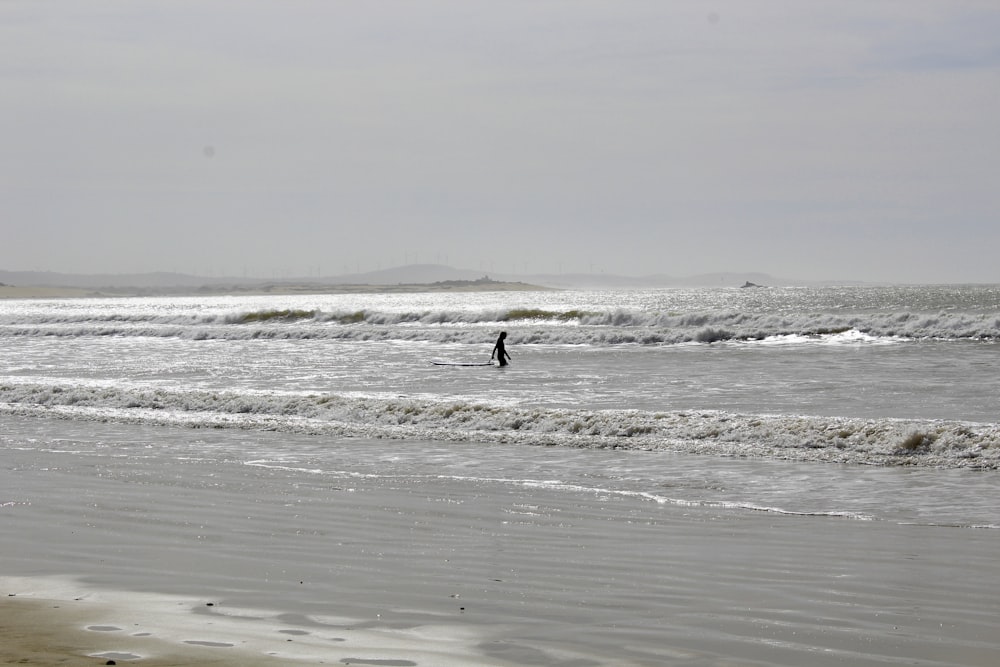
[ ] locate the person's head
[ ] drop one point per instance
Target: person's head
(503, 334)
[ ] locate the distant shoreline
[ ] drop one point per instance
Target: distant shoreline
(46, 292)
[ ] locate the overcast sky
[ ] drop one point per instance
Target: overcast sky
(807, 139)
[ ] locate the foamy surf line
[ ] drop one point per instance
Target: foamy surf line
(602, 326)
(161, 629)
(904, 442)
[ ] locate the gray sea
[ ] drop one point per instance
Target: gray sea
(842, 406)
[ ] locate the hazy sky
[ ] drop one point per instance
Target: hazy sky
(813, 139)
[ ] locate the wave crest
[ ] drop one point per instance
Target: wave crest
(572, 327)
(803, 438)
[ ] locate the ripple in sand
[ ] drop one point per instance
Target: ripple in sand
(197, 642)
(114, 655)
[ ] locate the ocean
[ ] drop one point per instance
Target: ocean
(835, 374)
(866, 415)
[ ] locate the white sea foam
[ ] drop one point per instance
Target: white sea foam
(789, 437)
(665, 317)
(611, 328)
(806, 374)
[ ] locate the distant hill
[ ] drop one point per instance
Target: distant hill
(414, 274)
(411, 274)
(430, 273)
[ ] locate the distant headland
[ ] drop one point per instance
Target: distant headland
(411, 278)
(483, 284)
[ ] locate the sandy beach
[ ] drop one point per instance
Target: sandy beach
(120, 545)
(66, 632)
(59, 622)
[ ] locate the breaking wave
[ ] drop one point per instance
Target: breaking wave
(933, 443)
(526, 326)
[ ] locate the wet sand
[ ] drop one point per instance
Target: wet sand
(151, 555)
(54, 632)
(105, 627)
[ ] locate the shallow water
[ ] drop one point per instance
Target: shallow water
(687, 477)
(546, 555)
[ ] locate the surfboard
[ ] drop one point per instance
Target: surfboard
(450, 363)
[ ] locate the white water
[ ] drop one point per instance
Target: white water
(848, 396)
(859, 375)
(649, 429)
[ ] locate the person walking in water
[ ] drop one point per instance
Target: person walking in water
(500, 351)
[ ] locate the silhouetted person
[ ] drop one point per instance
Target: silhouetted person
(499, 351)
